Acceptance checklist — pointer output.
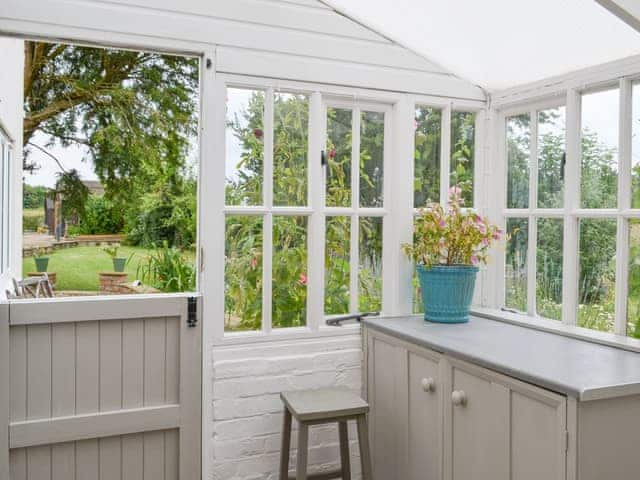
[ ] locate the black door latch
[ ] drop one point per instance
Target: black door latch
(192, 311)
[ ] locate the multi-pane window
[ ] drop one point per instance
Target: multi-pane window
(354, 207)
(585, 239)
(266, 195)
(284, 213)
(430, 147)
(5, 198)
(535, 152)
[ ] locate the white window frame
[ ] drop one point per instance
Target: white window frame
(7, 182)
(572, 213)
(320, 96)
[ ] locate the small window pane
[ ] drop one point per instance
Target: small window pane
(428, 132)
(371, 158)
(336, 275)
(289, 268)
(370, 270)
(549, 268)
(518, 159)
(597, 274)
(243, 273)
(516, 264)
(599, 177)
(339, 137)
(635, 178)
(244, 165)
(633, 307)
(463, 130)
(551, 157)
(290, 137)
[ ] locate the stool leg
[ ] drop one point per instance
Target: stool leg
(286, 445)
(303, 445)
(365, 455)
(345, 463)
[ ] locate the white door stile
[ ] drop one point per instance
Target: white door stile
(108, 397)
(532, 220)
(354, 247)
(267, 226)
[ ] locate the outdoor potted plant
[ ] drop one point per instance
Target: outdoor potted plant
(118, 262)
(42, 260)
(449, 244)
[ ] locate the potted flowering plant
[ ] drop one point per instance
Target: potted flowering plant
(449, 244)
(119, 263)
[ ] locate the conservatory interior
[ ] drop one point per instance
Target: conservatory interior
(360, 239)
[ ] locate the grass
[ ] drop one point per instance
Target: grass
(77, 268)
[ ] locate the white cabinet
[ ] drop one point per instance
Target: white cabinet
(438, 418)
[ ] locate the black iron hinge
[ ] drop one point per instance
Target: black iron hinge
(192, 311)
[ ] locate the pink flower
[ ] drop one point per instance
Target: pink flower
(254, 263)
(303, 278)
(442, 223)
(474, 260)
(455, 191)
(496, 235)
(485, 242)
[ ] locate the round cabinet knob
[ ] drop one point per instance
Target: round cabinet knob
(428, 384)
(459, 398)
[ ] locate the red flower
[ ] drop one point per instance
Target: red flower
(332, 153)
(303, 278)
(257, 132)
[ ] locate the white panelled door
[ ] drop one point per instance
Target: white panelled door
(104, 389)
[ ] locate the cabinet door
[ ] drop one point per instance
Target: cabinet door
(424, 448)
(385, 419)
(478, 425)
(499, 428)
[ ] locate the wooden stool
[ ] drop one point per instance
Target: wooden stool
(318, 406)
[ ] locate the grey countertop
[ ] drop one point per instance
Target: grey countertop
(577, 368)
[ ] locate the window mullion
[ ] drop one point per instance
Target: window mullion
(316, 238)
(445, 155)
(624, 202)
(533, 231)
(267, 242)
(571, 203)
(354, 254)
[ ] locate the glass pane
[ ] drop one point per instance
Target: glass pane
(597, 274)
(518, 159)
(551, 157)
(338, 153)
(371, 158)
(370, 269)
(426, 177)
(635, 172)
(549, 268)
(633, 306)
(243, 273)
(244, 165)
(516, 264)
(463, 130)
(290, 137)
(336, 274)
(599, 177)
(289, 298)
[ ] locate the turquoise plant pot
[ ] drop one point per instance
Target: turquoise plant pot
(42, 263)
(119, 264)
(447, 292)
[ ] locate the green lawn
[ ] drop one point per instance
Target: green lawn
(77, 267)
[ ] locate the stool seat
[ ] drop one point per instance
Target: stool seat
(323, 404)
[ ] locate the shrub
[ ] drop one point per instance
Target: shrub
(101, 216)
(168, 270)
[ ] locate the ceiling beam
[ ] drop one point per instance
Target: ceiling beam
(626, 10)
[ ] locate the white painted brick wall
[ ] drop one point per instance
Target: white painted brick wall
(247, 411)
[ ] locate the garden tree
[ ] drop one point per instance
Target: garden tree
(134, 112)
(244, 233)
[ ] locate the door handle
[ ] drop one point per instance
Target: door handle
(428, 384)
(459, 398)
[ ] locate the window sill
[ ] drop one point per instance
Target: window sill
(554, 326)
(286, 334)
